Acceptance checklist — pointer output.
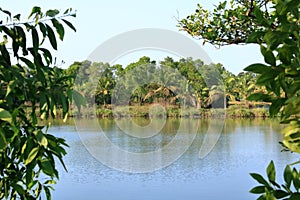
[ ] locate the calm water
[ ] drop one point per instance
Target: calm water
(243, 146)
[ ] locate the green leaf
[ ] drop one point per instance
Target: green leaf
(268, 55)
(47, 168)
(276, 106)
(292, 106)
(35, 10)
(69, 24)
(35, 40)
(262, 197)
(288, 176)
(6, 12)
(66, 11)
(258, 190)
(22, 39)
(31, 183)
(59, 28)
(8, 31)
(295, 196)
(279, 194)
(274, 38)
(259, 16)
(17, 17)
(38, 189)
(291, 138)
(285, 55)
(275, 87)
(79, 100)
(296, 179)
(50, 182)
(259, 97)
(27, 62)
(5, 115)
(42, 140)
(43, 30)
(16, 47)
(271, 171)
(51, 37)
(10, 87)
(19, 189)
(5, 55)
(33, 153)
(47, 192)
(52, 13)
(258, 68)
(259, 179)
(255, 37)
(47, 54)
(266, 78)
(3, 142)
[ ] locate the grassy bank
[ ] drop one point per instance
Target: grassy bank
(172, 112)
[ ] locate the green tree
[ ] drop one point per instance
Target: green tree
(137, 76)
(229, 83)
(165, 85)
(230, 23)
(87, 76)
(196, 83)
(274, 26)
(245, 85)
(30, 85)
(106, 84)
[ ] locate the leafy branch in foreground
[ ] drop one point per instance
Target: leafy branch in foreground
(270, 189)
(275, 26)
(29, 84)
(229, 23)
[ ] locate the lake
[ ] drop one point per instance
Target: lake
(167, 159)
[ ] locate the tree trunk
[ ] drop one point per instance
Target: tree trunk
(199, 103)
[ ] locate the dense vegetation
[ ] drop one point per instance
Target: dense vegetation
(274, 25)
(31, 87)
(185, 83)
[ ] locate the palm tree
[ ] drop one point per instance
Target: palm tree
(166, 84)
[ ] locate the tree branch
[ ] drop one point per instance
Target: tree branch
(44, 19)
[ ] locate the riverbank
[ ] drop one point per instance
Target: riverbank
(236, 111)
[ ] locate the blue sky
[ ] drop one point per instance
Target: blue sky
(98, 21)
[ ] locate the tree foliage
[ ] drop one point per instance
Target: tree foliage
(186, 81)
(270, 189)
(274, 26)
(231, 22)
(280, 73)
(31, 88)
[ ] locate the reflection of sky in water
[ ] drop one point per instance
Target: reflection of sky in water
(243, 147)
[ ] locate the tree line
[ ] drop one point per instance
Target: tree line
(185, 82)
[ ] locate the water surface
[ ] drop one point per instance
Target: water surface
(244, 146)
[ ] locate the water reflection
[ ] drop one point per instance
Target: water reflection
(118, 149)
(244, 146)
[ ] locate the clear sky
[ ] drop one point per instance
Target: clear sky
(98, 21)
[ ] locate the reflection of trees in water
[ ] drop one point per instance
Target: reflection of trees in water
(241, 140)
(262, 135)
(266, 125)
(126, 140)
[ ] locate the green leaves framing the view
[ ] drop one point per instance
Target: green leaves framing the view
(274, 26)
(31, 87)
(272, 190)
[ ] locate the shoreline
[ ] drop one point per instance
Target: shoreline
(171, 112)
